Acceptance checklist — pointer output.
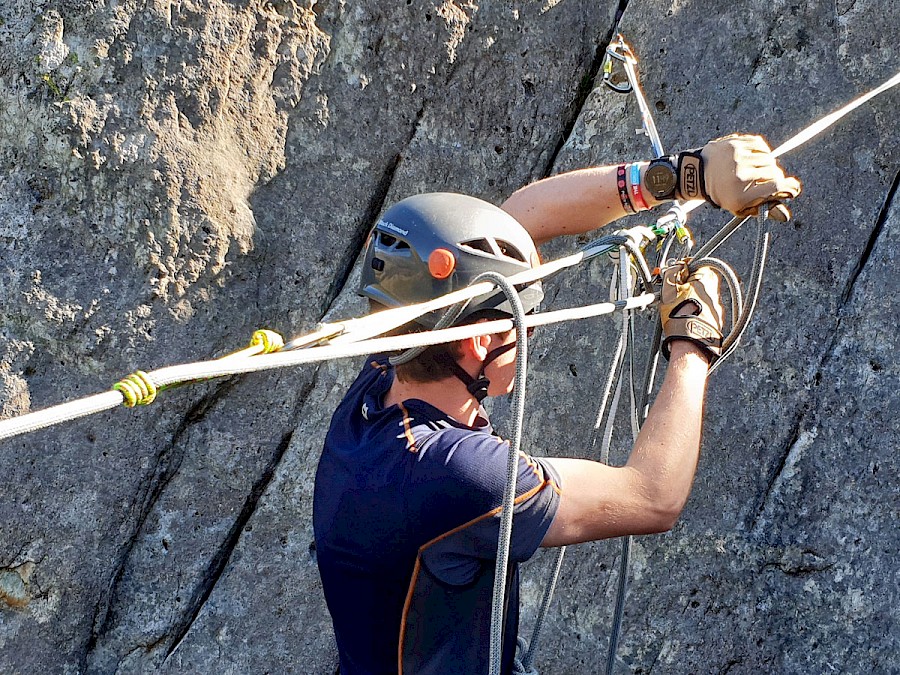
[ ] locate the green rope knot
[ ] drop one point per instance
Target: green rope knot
(269, 340)
(137, 388)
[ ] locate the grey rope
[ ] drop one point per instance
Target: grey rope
(625, 289)
(610, 419)
(741, 313)
(619, 612)
(612, 381)
(756, 276)
(641, 265)
(498, 599)
(526, 666)
(650, 373)
(633, 412)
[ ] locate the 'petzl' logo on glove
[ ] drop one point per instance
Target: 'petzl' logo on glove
(690, 180)
(702, 331)
(690, 175)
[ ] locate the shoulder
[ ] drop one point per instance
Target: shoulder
(479, 461)
(376, 373)
(460, 448)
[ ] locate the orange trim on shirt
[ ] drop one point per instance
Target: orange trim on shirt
(415, 575)
(530, 461)
(410, 439)
(539, 472)
(406, 604)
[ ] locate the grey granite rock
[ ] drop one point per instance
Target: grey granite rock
(175, 175)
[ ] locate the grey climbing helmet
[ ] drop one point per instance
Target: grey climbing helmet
(431, 244)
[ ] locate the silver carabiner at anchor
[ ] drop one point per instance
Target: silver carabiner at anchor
(616, 78)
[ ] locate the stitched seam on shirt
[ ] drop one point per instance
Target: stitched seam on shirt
(415, 575)
(539, 472)
(410, 439)
(406, 605)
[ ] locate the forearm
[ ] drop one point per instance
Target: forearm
(668, 447)
(737, 172)
(570, 203)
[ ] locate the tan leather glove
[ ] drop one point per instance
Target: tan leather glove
(690, 309)
(739, 174)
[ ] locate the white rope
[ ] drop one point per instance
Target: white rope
(60, 413)
(354, 330)
(358, 330)
(817, 128)
(202, 370)
(206, 369)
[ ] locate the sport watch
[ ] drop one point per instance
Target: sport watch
(661, 178)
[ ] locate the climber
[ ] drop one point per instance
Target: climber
(410, 482)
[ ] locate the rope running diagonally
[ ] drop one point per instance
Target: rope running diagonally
(740, 321)
(340, 332)
(283, 359)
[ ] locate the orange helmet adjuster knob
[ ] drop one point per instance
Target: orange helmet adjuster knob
(441, 263)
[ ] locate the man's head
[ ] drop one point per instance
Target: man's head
(432, 244)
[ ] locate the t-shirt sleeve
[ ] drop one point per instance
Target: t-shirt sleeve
(478, 466)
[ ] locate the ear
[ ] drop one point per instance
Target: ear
(476, 347)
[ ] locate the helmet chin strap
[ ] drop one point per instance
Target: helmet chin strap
(478, 386)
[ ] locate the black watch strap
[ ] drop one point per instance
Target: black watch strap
(661, 178)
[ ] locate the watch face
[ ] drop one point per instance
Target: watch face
(660, 180)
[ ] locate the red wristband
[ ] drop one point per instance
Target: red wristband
(637, 196)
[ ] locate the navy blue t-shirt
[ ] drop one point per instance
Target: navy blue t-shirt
(406, 515)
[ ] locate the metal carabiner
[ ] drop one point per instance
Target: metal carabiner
(674, 220)
(612, 78)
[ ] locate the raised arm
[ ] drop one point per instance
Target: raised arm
(647, 494)
(568, 203)
(737, 173)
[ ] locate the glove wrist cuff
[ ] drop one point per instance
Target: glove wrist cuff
(692, 178)
(708, 352)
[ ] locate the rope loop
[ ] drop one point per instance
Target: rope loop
(269, 340)
(520, 666)
(138, 389)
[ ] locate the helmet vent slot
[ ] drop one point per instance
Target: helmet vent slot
(510, 251)
(390, 241)
(482, 245)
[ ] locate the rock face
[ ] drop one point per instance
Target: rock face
(177, 174)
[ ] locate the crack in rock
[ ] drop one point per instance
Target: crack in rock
(873, 239)
(373, 208)
(167, 464)
(585, 87)
(787, 457)
(219, 561)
